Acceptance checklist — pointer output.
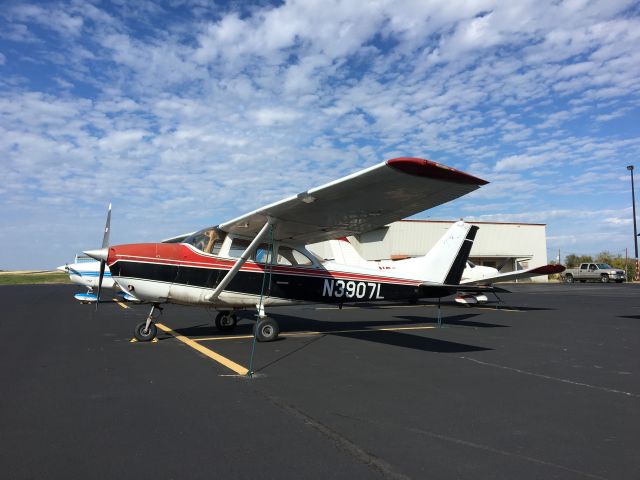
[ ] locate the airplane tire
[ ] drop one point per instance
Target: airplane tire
(226, 322)
(140, 334)
(266, 330)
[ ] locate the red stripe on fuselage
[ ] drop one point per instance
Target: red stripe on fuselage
(183, 255)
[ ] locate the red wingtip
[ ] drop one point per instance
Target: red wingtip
(549, 269)
(427, 168)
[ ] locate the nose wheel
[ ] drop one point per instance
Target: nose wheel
(144, 333)
(147, 330)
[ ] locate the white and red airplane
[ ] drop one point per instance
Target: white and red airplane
(259, 259)
(343, 251)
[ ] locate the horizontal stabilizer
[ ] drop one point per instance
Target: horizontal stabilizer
(517, 275)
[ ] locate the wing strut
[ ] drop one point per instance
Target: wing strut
(238, 265)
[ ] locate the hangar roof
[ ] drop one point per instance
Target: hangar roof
(475, 223)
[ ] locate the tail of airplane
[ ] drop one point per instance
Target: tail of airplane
(446, 261)
(443, 264)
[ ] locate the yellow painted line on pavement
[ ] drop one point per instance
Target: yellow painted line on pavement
(230, 364)
(121, 304)
(313, 333)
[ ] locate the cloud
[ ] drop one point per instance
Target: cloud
(193, 115)
(273, 116)
(519, 162)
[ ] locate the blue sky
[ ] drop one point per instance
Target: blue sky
(189, 113)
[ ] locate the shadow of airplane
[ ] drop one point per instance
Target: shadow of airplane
(361, 330)
(455, 320)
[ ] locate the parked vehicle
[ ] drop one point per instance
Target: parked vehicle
(598, 272)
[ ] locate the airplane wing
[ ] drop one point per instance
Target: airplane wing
(519, 274)
(360, 202)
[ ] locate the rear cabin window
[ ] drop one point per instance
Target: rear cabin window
(263, 253)
(291, 256)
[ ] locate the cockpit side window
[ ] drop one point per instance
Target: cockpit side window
(208, 240)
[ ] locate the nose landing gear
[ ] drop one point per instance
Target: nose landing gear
(147, 330)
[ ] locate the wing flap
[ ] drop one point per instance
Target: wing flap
(364, 201)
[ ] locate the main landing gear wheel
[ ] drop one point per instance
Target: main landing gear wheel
(266, 330)
(144, 334)
(226, 321)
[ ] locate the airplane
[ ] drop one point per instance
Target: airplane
(85, 271)
(344, 252)
(260, 259)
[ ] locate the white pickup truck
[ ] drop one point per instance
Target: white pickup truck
(598, 272)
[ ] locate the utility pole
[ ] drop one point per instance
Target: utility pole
(635, 229)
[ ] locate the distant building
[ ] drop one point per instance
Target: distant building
(506, 246)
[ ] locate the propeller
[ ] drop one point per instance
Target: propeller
(102, 254)
(105, 245)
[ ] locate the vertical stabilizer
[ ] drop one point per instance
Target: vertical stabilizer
(445, 262)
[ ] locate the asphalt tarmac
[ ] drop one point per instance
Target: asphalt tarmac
(547, 387)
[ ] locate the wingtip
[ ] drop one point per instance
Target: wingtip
(550, 269)
(426, 168)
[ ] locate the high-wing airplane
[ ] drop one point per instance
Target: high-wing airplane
(259, 259)
(343, 251)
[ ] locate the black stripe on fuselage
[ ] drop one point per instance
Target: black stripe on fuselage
(307, 288)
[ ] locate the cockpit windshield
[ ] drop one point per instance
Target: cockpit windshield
(208, 240)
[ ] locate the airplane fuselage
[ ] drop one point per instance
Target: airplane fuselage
(87, 274)
(179, 273)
